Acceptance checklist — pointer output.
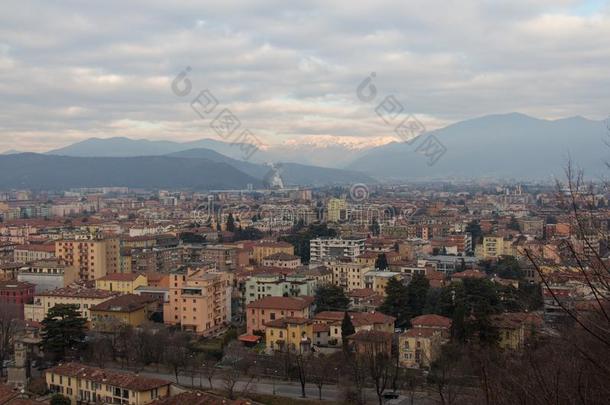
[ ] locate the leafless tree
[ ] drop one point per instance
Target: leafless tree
(8, 328)
(323, 368)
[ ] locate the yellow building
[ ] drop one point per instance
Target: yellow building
(362, 321)
(350, 276)
(83, 298)
(515, 327)
(265, 249)
(419, 347)
(336, 210)
(94, 258)
(294, 334)
(122, 283)
(84, 384)
(127, 309)
(496, 246)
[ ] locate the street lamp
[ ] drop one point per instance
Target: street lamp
(273, 380)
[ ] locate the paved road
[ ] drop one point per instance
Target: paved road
(269, 387)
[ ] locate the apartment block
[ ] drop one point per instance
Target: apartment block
(94, 257)
(349, 275)
(199, 300)
(322, 249)
(279, 285)
(265, 249)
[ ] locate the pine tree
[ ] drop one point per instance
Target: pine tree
(381, 263)
(396, 302)
(347, 327)
(230, 223)
(331, 298)
(63, 330)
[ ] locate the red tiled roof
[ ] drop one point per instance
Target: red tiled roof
(78, 292)
(371, 336)
(290, 303)
(124, 303)
(469, 274)
(120, 277)
(282, 322)
(37, 248)
(361, 292)
(249, 338)
(431, 320)
(320, 327)
(358, 318)
(421, 332)
(104, 376)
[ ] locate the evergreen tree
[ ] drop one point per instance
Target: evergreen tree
(63, 330)
(375, 228)
(417, 294)
(347, 327)
(381, 263)
(331, 298)
(396, 302)
(513, 224)
(230, 223)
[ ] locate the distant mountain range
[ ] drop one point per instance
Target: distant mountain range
(497, 146)
(199, 169)
(291, 173)
(316, 155)
(494, 146)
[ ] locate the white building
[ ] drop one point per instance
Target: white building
(322, 249)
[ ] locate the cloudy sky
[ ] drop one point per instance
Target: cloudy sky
(289, 70)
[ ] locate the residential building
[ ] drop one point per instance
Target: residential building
(515, 327)
(336, 210)
(419, 347)
(122, 283)
(439, 323)
(223, 256)
(282, 260)
(373, 320)
(128, 309)
(265, 249)
(48, 274)
(14, 295)
(199, 300)
(84, 298)
(322, 249)
(278, 285)
(447, 264)
(292, 334)
(378, 280)
(30, 253)
(348, 275)
(85, 384)
(269, 309)
(496, 246)
(371, 342)
(93, 257)
(364, 299)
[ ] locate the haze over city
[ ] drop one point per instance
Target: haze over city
(307, 203)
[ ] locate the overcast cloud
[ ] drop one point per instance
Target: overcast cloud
(72, 70)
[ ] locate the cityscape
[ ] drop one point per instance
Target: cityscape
(385, 203)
